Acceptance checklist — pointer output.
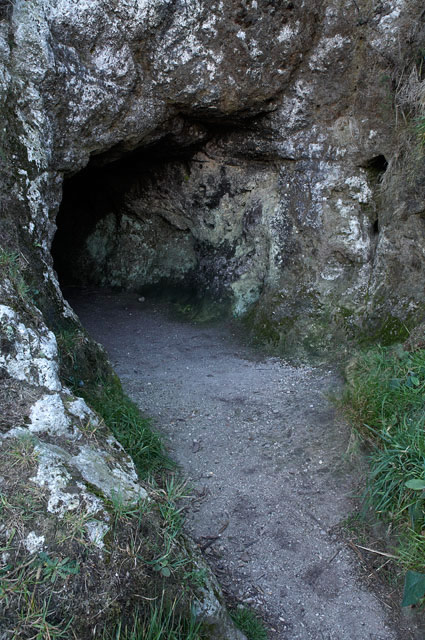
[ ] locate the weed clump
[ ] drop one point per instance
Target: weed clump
(247, 621)
(11, 267)
(163, 621)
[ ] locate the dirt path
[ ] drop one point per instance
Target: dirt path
(265, 454)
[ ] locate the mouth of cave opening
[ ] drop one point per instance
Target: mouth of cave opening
(136, 224)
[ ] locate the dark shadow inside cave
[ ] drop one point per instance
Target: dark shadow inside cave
(113, 214)
(185, 216)
(126, 225)
(148, 222)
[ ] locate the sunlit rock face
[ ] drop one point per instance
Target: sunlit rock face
(240, 147)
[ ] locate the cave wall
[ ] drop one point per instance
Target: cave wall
(282, 109)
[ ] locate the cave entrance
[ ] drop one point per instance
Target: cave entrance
(167, 221)
(133, 225)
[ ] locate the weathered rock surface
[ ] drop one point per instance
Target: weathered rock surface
(264, 130)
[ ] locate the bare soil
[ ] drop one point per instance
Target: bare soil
(265, 453)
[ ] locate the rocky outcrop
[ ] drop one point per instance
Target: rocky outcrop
(261, 133)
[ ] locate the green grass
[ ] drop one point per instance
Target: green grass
(11, 266)
(130, 428)
(385, 400)
(86, 370)
(162, 622)
(420, 129)
(247, 621)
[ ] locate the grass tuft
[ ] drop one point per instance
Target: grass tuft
(249, 623)
(162, 622)
(11, 266)
(131, 429)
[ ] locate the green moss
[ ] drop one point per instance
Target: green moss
(390, 331)
(308, 329)
(311, 332)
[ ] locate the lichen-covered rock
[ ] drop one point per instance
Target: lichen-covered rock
(281, 115)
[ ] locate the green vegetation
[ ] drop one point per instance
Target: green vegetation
(42, 591)
(247, 621)
(11, 266)
(390, 331)
(130, 428)
(28, 580)
(385, 400)
(91, 378)
(163, 622)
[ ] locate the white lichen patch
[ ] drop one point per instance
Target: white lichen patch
(33, 354)
(332, 272)
(324, 54)
(359, 189)
(79, 409)
(108, 475)
(52, 475)
(350, 232)
(48, 414)
(288, 32)
(55, 473)
(254, 51)
(34, 543)
(96, 531)
(113, 442)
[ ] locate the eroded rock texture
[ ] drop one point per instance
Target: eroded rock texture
(260, 134)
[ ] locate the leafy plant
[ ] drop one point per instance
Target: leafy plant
(54, 568)
(414, 588)
(196, 577)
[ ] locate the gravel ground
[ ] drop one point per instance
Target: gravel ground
(265, 453)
